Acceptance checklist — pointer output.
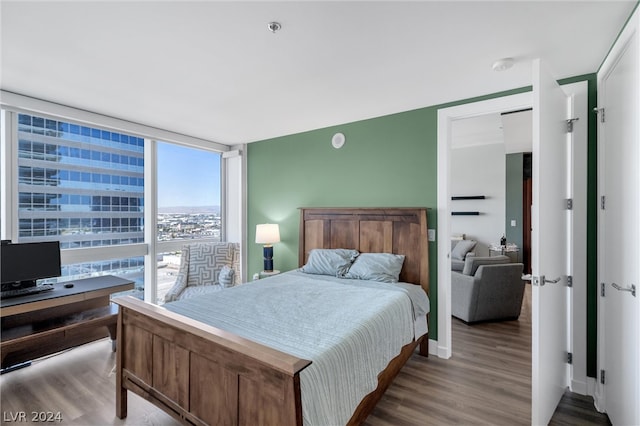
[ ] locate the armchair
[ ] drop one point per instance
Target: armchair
(488, 289)
(200, 270)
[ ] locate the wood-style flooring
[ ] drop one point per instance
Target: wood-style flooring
(486, 382)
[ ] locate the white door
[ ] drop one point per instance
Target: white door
(618, 92)
(549, 245)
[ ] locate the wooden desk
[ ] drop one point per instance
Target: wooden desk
(51, 321)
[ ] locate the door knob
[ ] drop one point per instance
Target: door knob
(631, 289)
(539, 281)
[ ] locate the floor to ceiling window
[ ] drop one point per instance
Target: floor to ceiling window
(188, 205)
(84, 185)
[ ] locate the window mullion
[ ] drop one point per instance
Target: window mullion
(150, 219)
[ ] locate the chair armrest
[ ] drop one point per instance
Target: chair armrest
(181, 279)
(463, 295)
(178, 287)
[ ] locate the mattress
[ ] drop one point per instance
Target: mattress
(349, 329)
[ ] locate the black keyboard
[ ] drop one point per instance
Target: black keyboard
(25, 291)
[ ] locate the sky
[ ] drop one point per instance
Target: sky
(187, 176)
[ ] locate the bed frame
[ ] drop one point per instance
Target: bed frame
(204, 375)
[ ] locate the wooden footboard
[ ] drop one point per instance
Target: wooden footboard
(200, 374)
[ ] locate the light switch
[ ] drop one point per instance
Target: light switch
(513, 223)
(431, 234)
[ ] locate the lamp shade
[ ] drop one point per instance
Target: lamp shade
(267, 233)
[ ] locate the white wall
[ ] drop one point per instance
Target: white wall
(479, 170)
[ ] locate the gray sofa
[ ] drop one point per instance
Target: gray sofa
(487, 289)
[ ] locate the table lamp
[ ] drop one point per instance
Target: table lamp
(267, 234)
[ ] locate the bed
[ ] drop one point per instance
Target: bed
(205, 373)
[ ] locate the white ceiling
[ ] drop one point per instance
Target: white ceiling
(212, 69)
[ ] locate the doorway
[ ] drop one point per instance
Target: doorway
(579, 381)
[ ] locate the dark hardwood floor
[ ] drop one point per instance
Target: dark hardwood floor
(486, 382)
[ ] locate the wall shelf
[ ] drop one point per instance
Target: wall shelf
(469, 197)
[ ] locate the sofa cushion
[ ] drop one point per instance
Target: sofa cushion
(457, 265)
(199, 290)
(472, 263)
(461, 249)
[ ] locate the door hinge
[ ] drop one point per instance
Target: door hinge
(602, 287)
(570, 124)
(602, 377)
(569, 280)
(569, 358)
(602, 202)
(569, 203)
(600, 112)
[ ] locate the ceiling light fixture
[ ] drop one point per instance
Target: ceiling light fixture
(502, 64)
(274, 26)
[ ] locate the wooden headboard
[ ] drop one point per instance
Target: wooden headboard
(370, 230)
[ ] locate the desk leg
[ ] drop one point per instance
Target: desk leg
(113, 334)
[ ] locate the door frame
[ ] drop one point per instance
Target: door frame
(445, 118)
(580, 383)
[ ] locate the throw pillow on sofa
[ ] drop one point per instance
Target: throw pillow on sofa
(461, 249)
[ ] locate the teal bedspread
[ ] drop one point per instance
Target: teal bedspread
(349, 329)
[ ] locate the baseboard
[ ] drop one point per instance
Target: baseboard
(437, 350)
(580, 387)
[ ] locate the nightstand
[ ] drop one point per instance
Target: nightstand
(265, 274)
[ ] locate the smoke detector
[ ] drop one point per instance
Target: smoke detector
(502, 64)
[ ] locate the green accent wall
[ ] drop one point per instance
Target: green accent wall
(389, 161)
(513, 199)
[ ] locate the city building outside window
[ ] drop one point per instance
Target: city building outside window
(84, 187)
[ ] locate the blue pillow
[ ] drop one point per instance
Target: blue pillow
(384, 267)
(334, 262)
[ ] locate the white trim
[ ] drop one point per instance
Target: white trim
(579, 381)
(7, 162)
(232, 154)
(445, 118)
(150, 219)
(578, 242)
(20, 103)
(95, 254)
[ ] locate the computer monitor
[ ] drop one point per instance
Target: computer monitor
(22, 264)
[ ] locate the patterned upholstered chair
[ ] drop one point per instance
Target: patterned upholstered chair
(201, 266)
